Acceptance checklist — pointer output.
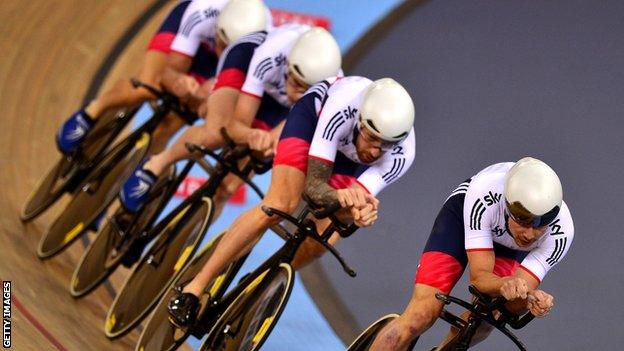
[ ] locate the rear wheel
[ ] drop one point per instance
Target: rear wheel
(159, 334)
(93, 198)
(249, 320)
(112, 243)
(67, 170)
(366, 338)
(158, 268)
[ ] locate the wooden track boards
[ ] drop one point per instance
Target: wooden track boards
(49, 53)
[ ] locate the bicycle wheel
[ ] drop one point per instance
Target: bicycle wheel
(96, 194)
(107, 250)
(158, 333)
(366, 338)
(248, 321)
(158, 268)
(68, 171)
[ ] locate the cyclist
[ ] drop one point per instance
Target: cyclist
(187, 42)
(510, 224)
(255, 88)
(352, 137)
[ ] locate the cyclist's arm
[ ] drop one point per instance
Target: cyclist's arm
(246, 109)
(481, 263)
(317, 186)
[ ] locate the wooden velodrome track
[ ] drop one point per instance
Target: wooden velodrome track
(50, 50)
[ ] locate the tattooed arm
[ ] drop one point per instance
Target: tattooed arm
(317, 187)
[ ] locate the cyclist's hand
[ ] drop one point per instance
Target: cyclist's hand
(185, 87)
(514, 288)
(260, 140)
(365, 216)
(356, 197)
(540, 303)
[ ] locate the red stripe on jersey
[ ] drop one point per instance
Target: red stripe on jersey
(251, 94)
(531, 273)
(161, 42)
(439, 270)
(231, 77)
(259, 124)
(292, 152)
(482, 249)
(322, 159)
(505, 266)
(341, 181)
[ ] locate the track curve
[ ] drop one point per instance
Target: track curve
(51, 52)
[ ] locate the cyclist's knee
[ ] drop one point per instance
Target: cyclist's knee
(282, 203)
(419, 320)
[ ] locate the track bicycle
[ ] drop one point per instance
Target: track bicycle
(177, 236)
(482, 308)
(243, 318)
(102, 186)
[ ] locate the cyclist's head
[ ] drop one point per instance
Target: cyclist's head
(533, 195)
(239, 18)
(386, 118)
(314, 57)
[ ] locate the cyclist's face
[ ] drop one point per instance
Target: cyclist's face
(369, 147)
(294, 88)
(523, 235)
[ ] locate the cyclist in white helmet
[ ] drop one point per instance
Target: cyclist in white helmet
(344, 141)
(182, 56)
(510, 224)
(256, 92)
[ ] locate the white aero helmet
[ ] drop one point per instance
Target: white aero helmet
(241, 17)
(533, 193)
(315, 56)
(387, 110)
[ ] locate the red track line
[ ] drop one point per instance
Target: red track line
(36, 324)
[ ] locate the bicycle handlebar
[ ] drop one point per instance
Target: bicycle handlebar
(171, 101)
(309, 228)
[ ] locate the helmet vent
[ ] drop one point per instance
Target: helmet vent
(372, 125)
(296, 68)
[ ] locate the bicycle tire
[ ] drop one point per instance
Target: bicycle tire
(95, 264)
(148, 282)
(159, 334)
(86, 205)
(365, 339)
(65, 172)
(249, 319)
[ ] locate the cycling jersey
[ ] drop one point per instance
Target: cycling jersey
(173, 29)
(198, 27)
(473, 219)
(232, 70)
(268, 66)
(323, 124)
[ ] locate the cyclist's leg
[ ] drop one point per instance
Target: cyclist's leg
(441, 265)
(284, 194)
(228, 187)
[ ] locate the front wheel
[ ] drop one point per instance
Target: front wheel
(158, 268)
(159, 334)
(250, 318)
(68, 171)
(112, 243)
(94, 197)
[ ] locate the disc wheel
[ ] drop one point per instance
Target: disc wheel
(110, 246)
(94, 197)
(248, 321)
(157, 269)
(159, 334)
(67, 169)
(366, 338)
